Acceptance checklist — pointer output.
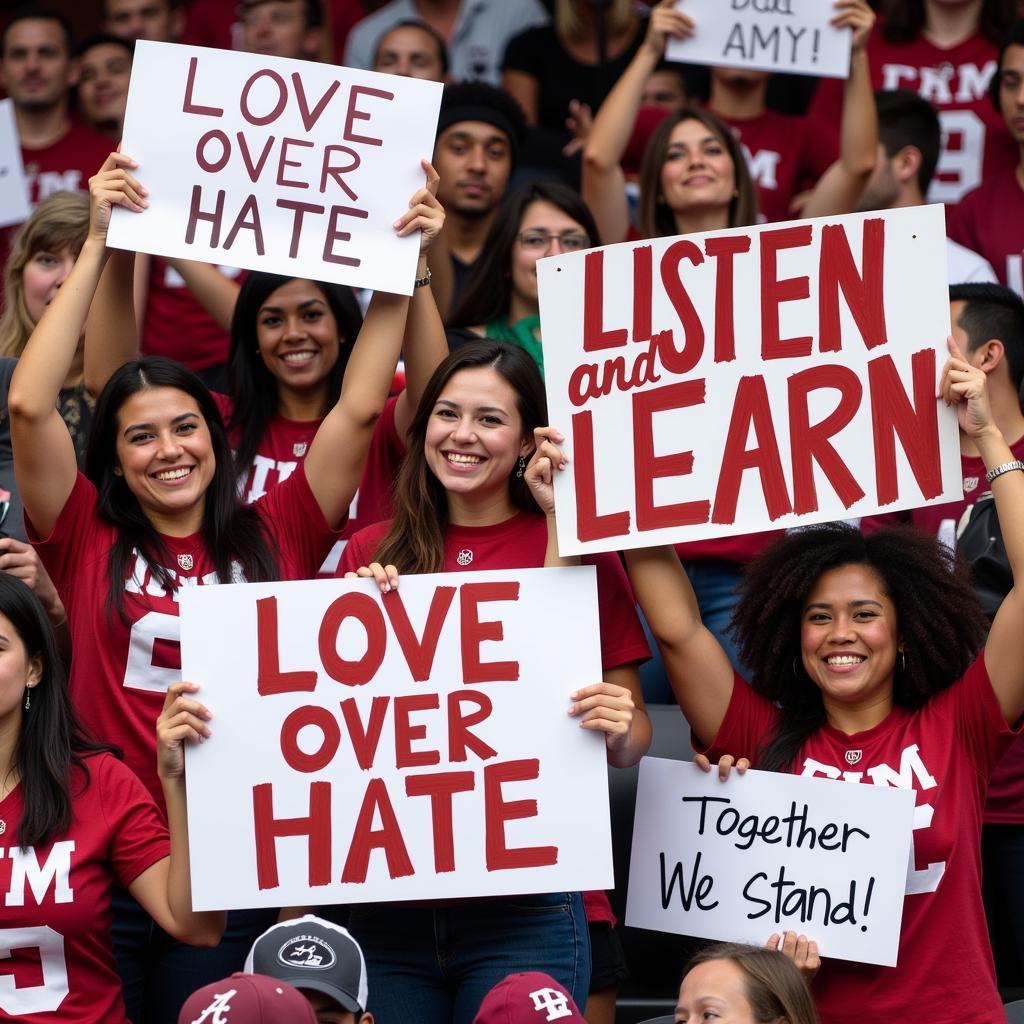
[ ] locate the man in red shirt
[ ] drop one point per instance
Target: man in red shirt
(37, 70)
(990, 220)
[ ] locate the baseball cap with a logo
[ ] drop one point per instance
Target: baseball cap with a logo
(311, 953)
(531, 998)
(247, 999)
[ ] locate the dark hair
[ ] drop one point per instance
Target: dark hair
(231, 531)
(488, 290)
(775, 988)
(1014, 36)
(36, 12)
(50, 742)
(105, 39)
(415, 540)
(905, 119)
(478, 101)
(253, 387)
(172, 5)
(940, 621)
(992, 311)
(438, 39)
(656, 218)
(904, 20)
(312, 12)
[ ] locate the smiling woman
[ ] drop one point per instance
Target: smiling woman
(160, 510)
(865, 667)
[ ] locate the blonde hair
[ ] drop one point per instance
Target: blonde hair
(60, 221)
(570, 25)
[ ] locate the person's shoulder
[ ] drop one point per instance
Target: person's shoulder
(368, 537)
(965, 266)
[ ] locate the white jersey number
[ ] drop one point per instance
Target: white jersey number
(140, 673)
(963, 149)
(45, 998)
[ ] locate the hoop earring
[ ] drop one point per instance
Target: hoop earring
(796, 666)
(903, 661)
(520, 467)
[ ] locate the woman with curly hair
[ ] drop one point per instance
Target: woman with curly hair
(864, 664)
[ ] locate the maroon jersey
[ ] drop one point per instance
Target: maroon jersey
(121, 670)
(56, 958)
(975, 141)
(65, 165)
(990, 220)
(175, 323)
(283, 447)
(945, 752)
(786, 156)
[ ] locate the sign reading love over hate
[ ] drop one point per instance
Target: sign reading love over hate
(409, 746)
(750, 379)
(770, 35)
(273, 164)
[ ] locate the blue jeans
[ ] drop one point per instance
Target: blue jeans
(159, 973)
(716, 585)
(434, 965)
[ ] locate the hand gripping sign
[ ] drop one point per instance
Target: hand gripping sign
(411, 746)
(769, 35)
(274, 164)
(749, 379)
(768, 853)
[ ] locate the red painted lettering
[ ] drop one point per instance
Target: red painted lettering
(590, 525)
(363, 608)
(365, 739)
(299, 210)
(310, 117)
(269, 677)
(284, 162)
(863, 292)
(475, 632)
(419, 653)
(460, 739)
(316, 826)
(330, 738)
(190, 106)
(440, 788)
(279, 104)
(353, 114)
(774, 292)
(681, 360)
(499, 810)
(335, 234)
(406, 733)
(595, 337)
(366, 838)
(723, 250)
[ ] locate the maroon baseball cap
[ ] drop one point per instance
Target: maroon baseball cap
(531, 998)
(247, 999)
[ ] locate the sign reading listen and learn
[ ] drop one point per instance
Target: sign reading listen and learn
(749, 379)
(267, 163)
(768, 852)
(415, 746)
(768, 35)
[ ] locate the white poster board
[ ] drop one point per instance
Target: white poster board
(768, 35)
(766, 853)
(410, 747)
(274, 164)
(14, 203)
(750, 379)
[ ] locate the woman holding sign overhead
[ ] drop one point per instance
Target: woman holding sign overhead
(865, 668)
(159, 510)
(465, 499)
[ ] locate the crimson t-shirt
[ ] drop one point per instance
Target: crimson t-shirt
(65, 165)
(786, 156)
(120, 672)
(990, 220)
(284, 446)
(975, 141)
(56, 957)
(176, 325)
(945, 752)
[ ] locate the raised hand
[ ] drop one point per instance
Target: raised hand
(114, 185)
(547, 459)
(965, 387)
(182, 719)
(425, 213)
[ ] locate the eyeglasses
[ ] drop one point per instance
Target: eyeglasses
(539, 239)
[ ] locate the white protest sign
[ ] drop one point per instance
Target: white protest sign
(770, 35)
(750, 379)
(274, 164)
(767, 853)
(14, 204)
(415, 746)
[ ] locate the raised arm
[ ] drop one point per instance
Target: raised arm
(964, 386)
(111, 332)
(424, 344)
(44, 456)
(165, 888)
(841, 185)
(334, 463)
(215, 292)
(698, 669)
(604, 185)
